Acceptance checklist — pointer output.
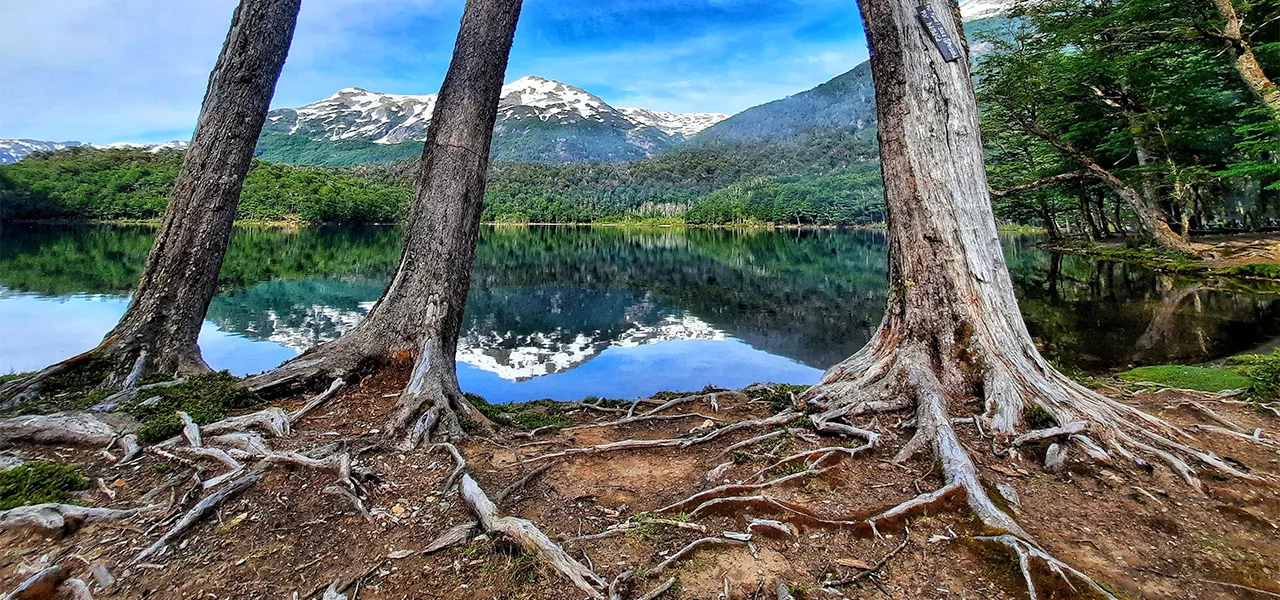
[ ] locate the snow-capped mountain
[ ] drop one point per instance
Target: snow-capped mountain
(170, 145)
(14, 150)
(975, 10)
(538, 119)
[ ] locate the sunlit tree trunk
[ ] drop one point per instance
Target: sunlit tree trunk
(418, 318)
(159, 331)
(1246, 63)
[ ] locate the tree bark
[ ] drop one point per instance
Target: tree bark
(1242, 57)
(159, 330)
(952, 330)
(419, 315)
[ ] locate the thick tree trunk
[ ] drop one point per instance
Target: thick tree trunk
(158, 332)
(419, 316)
(952, 330)
(1245, 61)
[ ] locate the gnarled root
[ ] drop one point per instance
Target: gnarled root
(60, 519)
(123, 362)
(73, 428)
(520, 531)
(1026, 552)
(203, 507)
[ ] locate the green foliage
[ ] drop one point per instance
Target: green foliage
(87, 183)
(38, 482)
(1036, 417)
(206, 398)
(13, 376)
(1204, 379)
(1140, 88)
(1262, 369)
(300, 150)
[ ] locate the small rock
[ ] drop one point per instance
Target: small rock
(1008, 493)
(397, 510)
(734, 535)
(102, 577)
(1055, 459)
(399, 554)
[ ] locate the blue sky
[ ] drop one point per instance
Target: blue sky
(135, 70)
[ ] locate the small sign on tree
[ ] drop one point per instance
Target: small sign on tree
(938, 32)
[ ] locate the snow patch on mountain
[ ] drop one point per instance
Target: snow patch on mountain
(13, 150)
(682, 124)
(974, 10)
(358, 114)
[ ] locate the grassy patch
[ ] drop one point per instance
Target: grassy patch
(778, 395)
(207, 398)
(1204, 379)
(526, 416)
(38, 482)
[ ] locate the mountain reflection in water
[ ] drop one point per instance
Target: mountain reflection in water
(567, 312)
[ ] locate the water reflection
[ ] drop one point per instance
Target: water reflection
(571, 312)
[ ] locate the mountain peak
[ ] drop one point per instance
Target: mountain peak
(573, 123)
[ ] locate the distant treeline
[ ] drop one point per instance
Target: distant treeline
(828, 181)
(114, 184)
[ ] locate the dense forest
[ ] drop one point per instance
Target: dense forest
(1088, 103)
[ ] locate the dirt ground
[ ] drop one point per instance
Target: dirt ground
(1141, 533)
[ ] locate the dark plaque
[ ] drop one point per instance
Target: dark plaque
(941, 38)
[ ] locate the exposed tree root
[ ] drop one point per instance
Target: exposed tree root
(1026, 551)
(780, 418)
(60, 519)
(315, 402)
(528, 536)
(40, 586)
(521, 532)
(206, 505)
(76, 428)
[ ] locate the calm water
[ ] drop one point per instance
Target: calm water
(571, 312)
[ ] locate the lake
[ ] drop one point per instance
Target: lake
(570, 312)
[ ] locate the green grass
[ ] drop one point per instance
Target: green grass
(525, 416)
(1263, 369)
(1255, 270)
(39, 482)
(12, 376)
(1204, 379)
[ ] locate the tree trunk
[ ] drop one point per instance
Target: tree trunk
(159, 331)
(952, 329)
(419, 316)
(1242, 56)
(1091, 226)
(1149, 215)
(1101, 205)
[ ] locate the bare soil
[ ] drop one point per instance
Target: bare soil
(1140, 532)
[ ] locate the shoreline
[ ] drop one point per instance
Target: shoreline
(298, 224)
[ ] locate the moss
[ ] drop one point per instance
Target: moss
(778, 395)
(1255, 271)
(526, 416)
(207, 398)
(1204, 379)
(38, 482)
(1037, 417)
(78, 379)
